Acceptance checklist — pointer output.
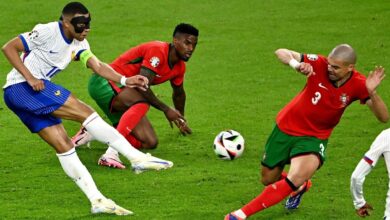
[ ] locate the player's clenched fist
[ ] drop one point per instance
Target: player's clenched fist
(364, 210)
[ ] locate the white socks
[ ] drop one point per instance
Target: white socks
(103, 132)
(240, 214)
(111, 151)
(73, 167)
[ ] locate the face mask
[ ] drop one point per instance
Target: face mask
(80, 23)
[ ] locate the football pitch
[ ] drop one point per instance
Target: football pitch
(233, 81)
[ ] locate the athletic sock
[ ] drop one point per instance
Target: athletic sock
(131, 118)
(73, 167)
(239, 213)
(271, 195)
(133, 141)
(103, 132)
(128, 122)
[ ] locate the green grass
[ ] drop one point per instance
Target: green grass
(233, 81)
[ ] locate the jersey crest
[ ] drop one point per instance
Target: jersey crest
(344, 98)
(154, 61)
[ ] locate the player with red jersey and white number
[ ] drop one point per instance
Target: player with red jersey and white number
(303, 126)
(127, 107)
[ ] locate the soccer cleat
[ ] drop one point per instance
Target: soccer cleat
(150, 163)
(295, 198)
(111, 161)
(108, 206)
(232, 216)
(82, 137)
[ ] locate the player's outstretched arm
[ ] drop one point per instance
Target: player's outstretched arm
(170, 114)
(375, 103)
(356, 187)
(11, 51)
(107, 72)
(179, 100)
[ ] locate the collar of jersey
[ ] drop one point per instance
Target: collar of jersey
(68, 41)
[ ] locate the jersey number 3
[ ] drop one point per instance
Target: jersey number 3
(316, 98)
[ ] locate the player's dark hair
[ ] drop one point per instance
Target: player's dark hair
(73, 8)
(184, 28)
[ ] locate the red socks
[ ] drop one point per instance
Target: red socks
(271, 195)
(133, 141)
(131, 118)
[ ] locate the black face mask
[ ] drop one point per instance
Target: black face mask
(84, 21)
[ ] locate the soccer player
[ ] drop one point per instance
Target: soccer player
(380, 147)
(303, 126)
(40, 104)
(127, 107)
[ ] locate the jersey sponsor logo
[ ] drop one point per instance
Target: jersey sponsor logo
(322, 86)
(154, 61)
(57, 93)
(52, 51)
(33, 34)
(344, 99)
(312, 57)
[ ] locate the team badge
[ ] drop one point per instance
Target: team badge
(73, 55)
(344, 99)
(312, 57)
(154, 61)
(33, 34)
(57, 93)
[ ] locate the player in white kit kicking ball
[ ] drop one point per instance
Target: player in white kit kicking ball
(40, 104)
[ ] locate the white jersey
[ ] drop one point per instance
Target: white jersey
(381, 146)
(47, 52)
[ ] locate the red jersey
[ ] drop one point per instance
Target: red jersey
(154, 56)
(317, 109)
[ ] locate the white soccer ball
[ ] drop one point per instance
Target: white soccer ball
(229, 145)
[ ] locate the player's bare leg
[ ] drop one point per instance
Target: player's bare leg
(269, 176)
(298, 174)
(145, 133)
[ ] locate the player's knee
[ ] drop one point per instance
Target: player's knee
(151, 143)
(266, 180)
(63, 145)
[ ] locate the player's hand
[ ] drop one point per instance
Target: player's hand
(183, 126)
(306, 69)
(374, 78)
(364, 210)
(36, 84)
(138, 81)
(172, 115)
(176, 117)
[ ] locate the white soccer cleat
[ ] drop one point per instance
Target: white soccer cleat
(82, 137)
(150, 163)
(108, 206)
